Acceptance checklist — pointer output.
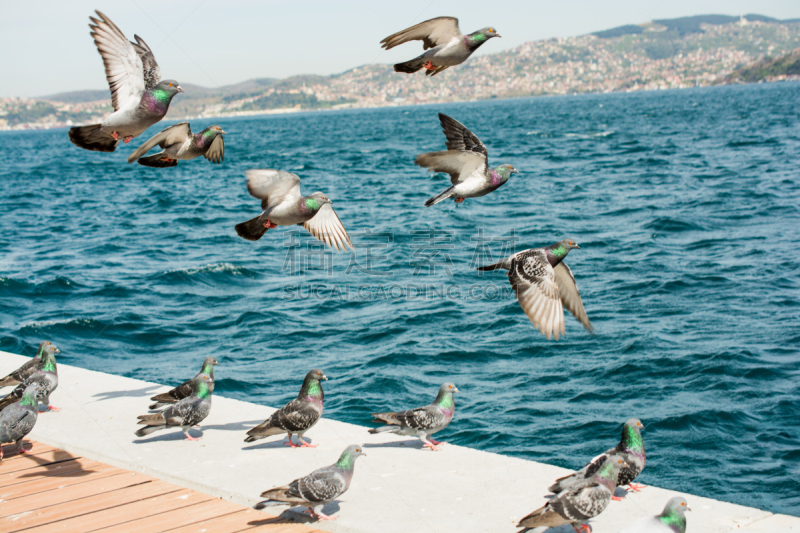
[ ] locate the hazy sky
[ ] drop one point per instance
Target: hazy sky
(47, 48)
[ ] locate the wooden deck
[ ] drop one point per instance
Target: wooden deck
(50, 490)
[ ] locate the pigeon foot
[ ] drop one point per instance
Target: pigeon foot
(434, 442)
(167, 159)
(616, 498)
(269, 224)
(292, 444)
(115, 135)
(189, 437)
(304, 444)
(127, 139)
(321, 516)
(636, 487)
(51, 408)
(23, 450)
(432, 446)
(459, 200)
(584, 527)
(429, 65)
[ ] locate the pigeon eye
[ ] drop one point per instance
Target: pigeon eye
(170, 85)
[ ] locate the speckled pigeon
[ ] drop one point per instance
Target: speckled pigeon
(26, 370)
(671, 520)
(466, 160)
(578, 505)
(319, 487)
(18, 419)
(283, 205)
(45, 376)
(544, 285)
(178, 142)
(186, 413)
(421, 422)
(139, 98)
(185, 389)
(630, 448)
(297, 416)
(448, 46)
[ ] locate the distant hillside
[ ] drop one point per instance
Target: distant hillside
(788, 65)
(78, 97)
(685, 25)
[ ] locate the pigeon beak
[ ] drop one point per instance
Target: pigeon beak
(456, 390)
(222, 132)
(578, 247)
(180, 89)
(688, 509)
(324, 377)
(498, 35)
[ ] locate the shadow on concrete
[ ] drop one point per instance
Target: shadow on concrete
(413, 444)
(148, 391)
(295, 515)
(232, 426)
(279, 443)
(167, 434)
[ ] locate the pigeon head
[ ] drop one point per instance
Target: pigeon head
(348, 458)
(558, 251)
(171, 87)
(48, 360)
(448, 388)
(42, 346)
(316, 375)
(674, 514)
(312, 388)
(506, 170)
(487, 33)
(609, 473)
(208, 366)
(30, 395)
(212, 131)
(631, 436)
(444, 399)
(203, 386)
(316, 200)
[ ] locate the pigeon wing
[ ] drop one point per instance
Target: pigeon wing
(124, 69)
(326, 226)
(570, 297)
(583, 504)
(216, 152)
(460, 138)
(533, 280)
(459, 164)
(151, 72)
(321, 486)
(177, 133)
(273, 186)
(432, 33)
(297, 415)
(427, 417)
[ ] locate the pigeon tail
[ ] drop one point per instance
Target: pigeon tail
(92, 138)
(252, 230)
(409, 67)
(8, 381)
(384, 429)
(8, 400)
(158, 160)
(143, 432)
(444, 195)
(495, 266)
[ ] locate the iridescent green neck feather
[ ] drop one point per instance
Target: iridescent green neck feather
(632, 439)
(559, 252)
(673, 519)
(314, 389)
(445, 399)
(203, 390)
(346, 461)
(313, 204)
(29, 399)
(48, 362)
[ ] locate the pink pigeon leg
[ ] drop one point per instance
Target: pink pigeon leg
(127, 139)
(115, 135)
(435, 442)
(304, 444)
(429, 444)
(636, 487)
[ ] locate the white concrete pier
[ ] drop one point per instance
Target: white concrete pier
(397, 488)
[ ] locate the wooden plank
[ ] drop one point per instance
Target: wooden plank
(10, 450)
(245, 520)
(36, 485)
(28, 461)
(78, 467)
(196, 512)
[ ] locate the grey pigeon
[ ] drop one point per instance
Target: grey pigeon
(178, 142)
(45, 376)
(139, 98)
(445, 44)
(630, 448)
(297, 416)
(421, 422)
(186, 413)
(184, 390)
(544, 285)
(671, 520)
(26, 370)
(578, 505)
(18, 419)
(284, 205)
(319, 487)
(466, 160)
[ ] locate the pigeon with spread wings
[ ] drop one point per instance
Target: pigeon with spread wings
(139, 98)
(178, 142)
(445, 44)
(466, 161)
(284, 205)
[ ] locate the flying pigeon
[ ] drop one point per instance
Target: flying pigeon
(466, 160)
(545, 285)
(671, 520)
(178, 142)
(26, 370)
(18, 419)
(139, 98)
(283, 205)
(319, 487)
(421, 422)
(45, 376)
(448, 46)
(186, 413)
(630, 448)
(185, 389)
(580, 504)
(297, 416)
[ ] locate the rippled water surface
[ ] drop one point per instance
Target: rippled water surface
(685, 205)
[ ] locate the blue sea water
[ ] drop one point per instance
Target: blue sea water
(685, 204)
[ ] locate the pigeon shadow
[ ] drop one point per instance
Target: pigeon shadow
(275, 443)
(296, 515)
(62, 467)
(619, 492)
(232, 426)
(138, 393)
(413, 444)
(177, 434)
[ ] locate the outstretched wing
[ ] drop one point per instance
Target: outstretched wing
(582, 504)
(321, 486)
(327, 227)
(460, 165)
(570, 296)
(216, 152)
(124, 69)
(177, 133)
(272, 186)
(460, 138)
(432, 33)
(150, 70)
(533, 280)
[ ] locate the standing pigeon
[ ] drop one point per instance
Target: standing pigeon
(178, 142)
(185, 389)
(630, 448)
(186, 413)
(18, 419)
(578, 505)
(422, 421)
(297, 416)
(466, 160)
(139, 98)
(671, 520)
(545, 285)
(319, 487)
(448, 46)
(283, 205)
(26, 370)
(45, 376)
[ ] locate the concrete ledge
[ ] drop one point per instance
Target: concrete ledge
(397, 488)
